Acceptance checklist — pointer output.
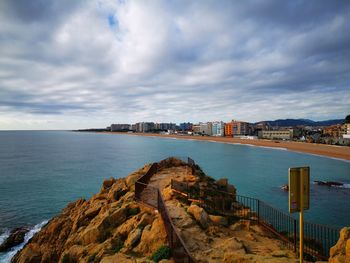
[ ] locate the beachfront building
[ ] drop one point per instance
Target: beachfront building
(218, 128)
(276, 135)
(228, 129)
(186, 126)
(196, 129)
(334, 131)
(205, 128)
(240, 128)
(346, 129)
(120, 127)
(145, 126)
(165, 126)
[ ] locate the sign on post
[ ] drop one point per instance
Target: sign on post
(299, 199)
(294, 183)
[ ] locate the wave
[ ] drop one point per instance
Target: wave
(6, 257)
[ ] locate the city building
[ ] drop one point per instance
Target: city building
(196, 129)
(228, 129)
(335, 131)
(218, 128)
(276, 135)
(346, 129)
(205, 128)
(186, 126)
(120, 127)
(240, 128)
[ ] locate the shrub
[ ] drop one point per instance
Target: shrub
(162, 252)
(133, 211)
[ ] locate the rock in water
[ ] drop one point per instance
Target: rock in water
(16, 237)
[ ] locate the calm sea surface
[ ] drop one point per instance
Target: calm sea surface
(41, 171)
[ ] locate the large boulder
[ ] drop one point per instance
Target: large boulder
(340, 252)
(200, 215)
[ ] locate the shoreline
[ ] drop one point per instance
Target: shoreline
(332, 151)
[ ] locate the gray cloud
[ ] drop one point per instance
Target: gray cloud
(63, 64)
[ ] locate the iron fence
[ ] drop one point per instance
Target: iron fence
(318, 239)
(152, 196)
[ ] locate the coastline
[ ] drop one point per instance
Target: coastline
(332, 151)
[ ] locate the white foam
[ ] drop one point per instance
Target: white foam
(4, 235)
(6, 257)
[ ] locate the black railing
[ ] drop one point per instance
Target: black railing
(318, 239)
(151, 196)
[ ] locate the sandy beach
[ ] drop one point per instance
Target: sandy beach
(340, 152)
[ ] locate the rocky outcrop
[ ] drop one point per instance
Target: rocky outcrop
(340, 253)
(110, 227)
(15, 238)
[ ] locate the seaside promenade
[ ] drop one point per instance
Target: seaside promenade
(333, 151)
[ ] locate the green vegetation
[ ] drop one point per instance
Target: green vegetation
(162, 252)
(117, 245)
(133, 211)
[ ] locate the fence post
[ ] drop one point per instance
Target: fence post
(258, 211)
(295, 235)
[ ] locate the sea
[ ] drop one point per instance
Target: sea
(42, 171)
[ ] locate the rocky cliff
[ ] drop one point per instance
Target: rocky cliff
(110, 227)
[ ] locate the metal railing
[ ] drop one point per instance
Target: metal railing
(318, 239)
(152, 196)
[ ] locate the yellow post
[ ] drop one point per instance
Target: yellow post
(301, 218)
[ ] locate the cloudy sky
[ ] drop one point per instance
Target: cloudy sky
(69, 64)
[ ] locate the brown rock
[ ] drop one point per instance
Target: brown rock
(152, 238)
(168, 194)
(200, 215)
(340, 251)
(120, 258)
(223, 182)
(133, 238)
(108, 183)
(218, 220)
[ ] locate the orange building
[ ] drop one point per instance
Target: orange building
(228, 129)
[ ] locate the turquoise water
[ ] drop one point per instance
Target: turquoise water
(41, 171)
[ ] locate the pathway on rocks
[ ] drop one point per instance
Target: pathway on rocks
(218, 243)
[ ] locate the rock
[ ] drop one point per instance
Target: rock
(200, 215)
(218, 220)
(15, 238)
(231, 189)
(152, 238)
(133, 238)
(120, 258)
(108, 183)
(222, 183)
(241, 225)
(340, 252)
(168, 194)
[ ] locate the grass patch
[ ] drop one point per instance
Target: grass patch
(162, 252)
(133, 211)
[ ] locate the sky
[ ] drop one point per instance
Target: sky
(80, 64)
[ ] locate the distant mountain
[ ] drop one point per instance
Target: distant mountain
(305, 122)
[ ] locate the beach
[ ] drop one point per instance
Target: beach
(333, 151)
